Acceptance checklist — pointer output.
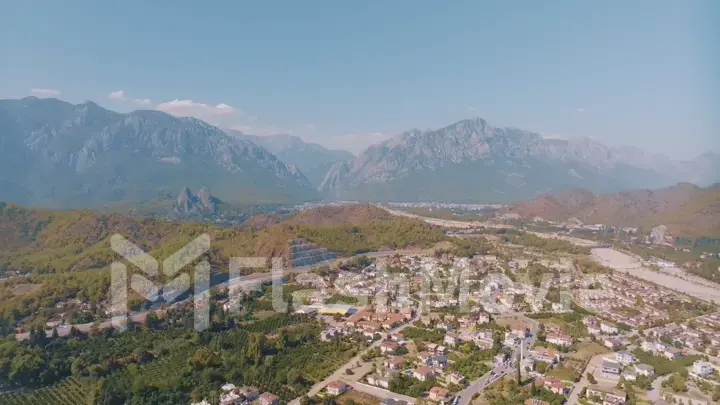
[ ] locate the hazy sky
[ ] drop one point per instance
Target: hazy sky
(350, 73)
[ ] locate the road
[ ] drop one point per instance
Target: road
(575, 392)
(337, 375)
(654, 394)
(465, 396)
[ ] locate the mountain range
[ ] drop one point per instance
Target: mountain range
(471, 161)
(312, 159)
(685, 209)
(56, 154)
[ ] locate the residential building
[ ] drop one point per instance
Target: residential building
(612, 344)
(337, 387)
(647, 346)
(556, 386)
(439, 394)
(629, 375)
(546, 355)
(455, 378)
(558, 339)
(644, 369)
(611, 367)
(608, 397)
(389, 346)
(702, 369)
(451, 339)
(423, 373)
(608, 328)
(672, 353)
(379, 381)
(394, 362)
(268, 399)
(625, 357)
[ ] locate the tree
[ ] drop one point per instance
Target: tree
(591, 378)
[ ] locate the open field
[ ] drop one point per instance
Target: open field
(21, 289)
(588, 350)
(564, 373)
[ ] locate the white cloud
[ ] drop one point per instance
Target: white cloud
(261, 131)
(142, 101)
(45, 92)
(310, 127)
(120, 95)
(580, 110)
(472, 109)
(190, 108)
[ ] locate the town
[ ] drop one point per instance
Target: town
(456, 330)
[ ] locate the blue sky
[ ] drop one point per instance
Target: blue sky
(347, 74)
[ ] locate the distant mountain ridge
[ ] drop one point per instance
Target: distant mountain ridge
(471, 161)
(56, 154)
(312, 159)
(684, 208)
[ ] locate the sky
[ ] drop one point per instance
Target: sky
(348, 74)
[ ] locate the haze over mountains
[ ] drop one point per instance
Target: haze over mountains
(473, 161)
(684, 208)
(312, 159)
(56, 154)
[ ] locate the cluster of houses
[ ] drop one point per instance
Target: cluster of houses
(661, 349)
(701, 333)
(618, 300)
(426, 365)
(624, 364)
(232, 395)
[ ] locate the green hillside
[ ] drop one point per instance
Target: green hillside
(55, 255)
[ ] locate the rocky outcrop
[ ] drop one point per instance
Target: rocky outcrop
(189, 203)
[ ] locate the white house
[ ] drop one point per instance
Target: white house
(702, 369)
(608, 328)
(644, 369)
(625, 358)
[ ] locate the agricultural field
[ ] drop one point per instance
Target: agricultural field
(68, 392)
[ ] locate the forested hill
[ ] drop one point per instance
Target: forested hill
(49, 256)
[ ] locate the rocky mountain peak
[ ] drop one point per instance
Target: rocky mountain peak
(189, 203)
(470, 160)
